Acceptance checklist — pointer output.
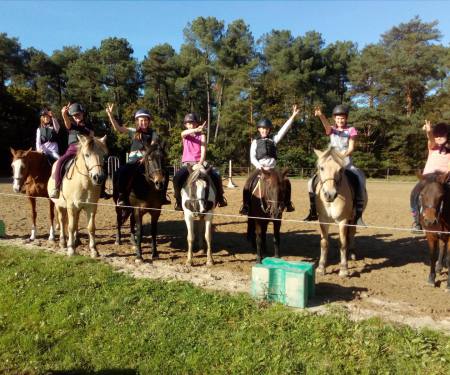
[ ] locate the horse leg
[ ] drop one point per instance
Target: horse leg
(208, 236)
(72, 216)
(351, 231)
(138, 234)
(91, 230)
(259, 240)
(343, 231)
(33, 218)
(442, 252)
(324, 244)
(433, 243)
(132, 228)
(276, 238)
(62, 219)
(51, 205)
(200, 235)
(154, 232)
(190, 236)
(119, 226)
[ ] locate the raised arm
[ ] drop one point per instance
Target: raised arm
(287, 125)
(326, 124)
(117, 127)
(38, 140)
(65, 115)
(198, 129)
(55, 123)
(202, 149)
(427, 128)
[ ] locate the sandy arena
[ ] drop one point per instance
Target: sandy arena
(388, 279)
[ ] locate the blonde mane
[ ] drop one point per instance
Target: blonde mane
(334, 154)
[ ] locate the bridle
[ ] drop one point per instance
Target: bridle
(151, 166)
(266, 210)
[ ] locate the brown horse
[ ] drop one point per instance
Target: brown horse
(434, 208)
(145, 197)
(31, 171)
(267, 201)
(335, 204)
(81, 188)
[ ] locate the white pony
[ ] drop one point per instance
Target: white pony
(198, 201)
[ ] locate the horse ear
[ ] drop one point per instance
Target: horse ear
(13, 152)
(442, 178)
(419, 174)
(27, 151)
(284, 173)
(82, 138)
(103, 139)
(318, 153)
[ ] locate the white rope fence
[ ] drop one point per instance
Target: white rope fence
(312, 223)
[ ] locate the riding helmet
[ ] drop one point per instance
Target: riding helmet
(44, 112)
(440, 129)
(341, 109)
(142, 113)
(76, 108)
(264, 123)
(190, 117)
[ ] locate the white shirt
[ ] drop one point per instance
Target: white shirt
(47, 147)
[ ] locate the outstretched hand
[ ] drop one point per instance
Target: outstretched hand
(109, 108)
(295, 110)
(427, 126)
(317, 111)
(200, 128)
(65, 109)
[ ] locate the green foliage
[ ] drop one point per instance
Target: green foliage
(60, 314)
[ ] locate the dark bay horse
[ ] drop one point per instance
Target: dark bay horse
(434, 208)
(31, 171)
(145, 197)
(267, 201)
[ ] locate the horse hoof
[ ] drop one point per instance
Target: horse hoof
(189, 263)
(438, 268)
(209, 263)
(201, 252)
(118, 242)
(343, 273)
(94, 254)
(70, 252)
(321, 271)
(139, 260)
(51, 239)
(352, 256)
(155, 255)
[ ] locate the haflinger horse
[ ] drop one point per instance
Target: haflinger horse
(31, 171)
(434, 208)
(146, 196)
(80, 190)
(198, 197)
(335, 201)
(267, 202)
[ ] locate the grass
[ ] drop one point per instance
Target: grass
(75, 315)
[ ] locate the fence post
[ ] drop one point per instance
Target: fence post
(387, 174)
(231, 184)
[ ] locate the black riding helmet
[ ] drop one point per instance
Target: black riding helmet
(190, 117)
(76, 108)
(341, 109)
(264, 123)
(142, 113)
(440, 130)
(44, 112)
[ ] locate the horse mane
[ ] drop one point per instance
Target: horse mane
(92, 142)
(433, 177)
(334, 154)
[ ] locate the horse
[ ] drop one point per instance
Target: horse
(80, 190)
(267, 202)
(434, 209)
(198, 199)
(145, 196)
(31, 171)
(335, 204)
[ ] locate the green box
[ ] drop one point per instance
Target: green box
(305, 266)
(2, 228)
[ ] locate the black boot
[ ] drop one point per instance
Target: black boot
(358, 218)
(123, 200)
(312, 216)
(178, 206)
(288, 203)
(290, 207)
(244, 209)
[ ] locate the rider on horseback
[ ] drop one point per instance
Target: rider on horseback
(194, 152)
(438, 161)
(141, 136)
(47, 136)
(263, 154)
(78, 126)
(342, 138)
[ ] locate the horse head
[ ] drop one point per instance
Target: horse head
(198, 186)
(273, 191)
(92, 151)
(20, 168)
(330, 167)
(153, 159)
(431, 198)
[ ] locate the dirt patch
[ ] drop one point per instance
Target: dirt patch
(388, 279)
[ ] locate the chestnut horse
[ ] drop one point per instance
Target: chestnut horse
(335, 204)
(145, 197)
(267, 201)
(80, 190)
(31, 171)
(434, 208)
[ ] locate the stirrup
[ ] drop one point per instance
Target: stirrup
(244, 210)
(222, 203)
(416, 228)
(178, 207)
(360, 222)
(290, 207)
(54, 194)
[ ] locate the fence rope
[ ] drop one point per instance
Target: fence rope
(312, 223)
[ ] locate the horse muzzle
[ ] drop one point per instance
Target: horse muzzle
(330, 196)
(98, 178)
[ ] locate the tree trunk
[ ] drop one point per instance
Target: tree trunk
(409, 102)
(219, 105)
(208, 106)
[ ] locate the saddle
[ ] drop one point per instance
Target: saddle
(66, 166)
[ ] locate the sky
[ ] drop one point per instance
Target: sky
(50, 25)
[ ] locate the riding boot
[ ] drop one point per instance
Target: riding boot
(245, 201)
(416, 227)
(125, 181)
(217, 181)
(359, 204)
(288, 203)
(312, 216)
(358, 217)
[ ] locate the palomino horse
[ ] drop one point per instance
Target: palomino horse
(31, 171)
(145, 197)
(80, 190)
(434, 208)
(335, 204)
(198, 201)
(267, 202)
